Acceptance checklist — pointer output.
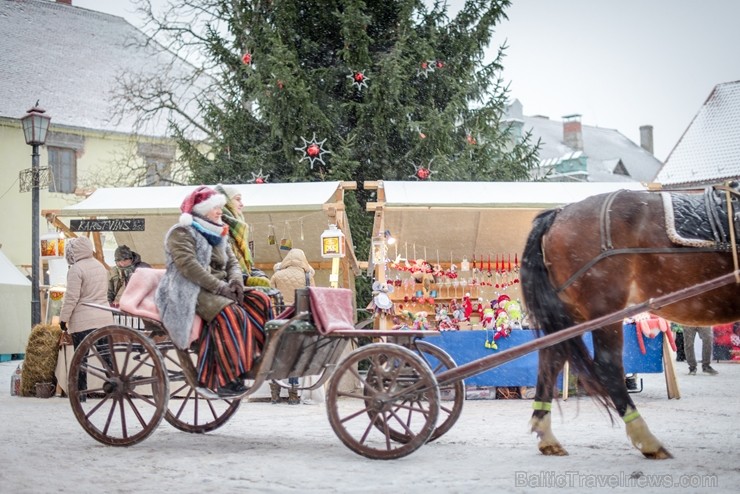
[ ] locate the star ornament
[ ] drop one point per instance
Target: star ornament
(313, 150)
(258, 178)
(426, 67)
(422, 172)
(359, 79)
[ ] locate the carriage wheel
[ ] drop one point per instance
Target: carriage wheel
(387, 399)
(127, 387)
(188, 410)
(439, 361)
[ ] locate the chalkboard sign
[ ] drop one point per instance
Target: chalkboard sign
(110, 225)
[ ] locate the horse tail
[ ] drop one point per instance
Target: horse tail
(546, 310)
(548, 313)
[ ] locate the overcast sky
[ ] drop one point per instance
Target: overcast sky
(619, 63)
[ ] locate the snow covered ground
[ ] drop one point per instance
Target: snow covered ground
(282, 449)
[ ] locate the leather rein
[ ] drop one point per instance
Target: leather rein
(608, 250)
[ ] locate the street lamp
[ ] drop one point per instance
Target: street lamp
(35, 125)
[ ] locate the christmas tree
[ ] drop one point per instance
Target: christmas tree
(307, 90)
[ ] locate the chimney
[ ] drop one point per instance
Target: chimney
(65, 2)
(573, 132)
(646, 138)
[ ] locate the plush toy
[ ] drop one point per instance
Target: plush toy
(444, 323)
(487, 321)
(467, 306)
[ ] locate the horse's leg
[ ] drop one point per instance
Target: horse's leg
(608, 343)
(550, 363)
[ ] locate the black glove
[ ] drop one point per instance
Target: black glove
(225, 290)
(238, 288)
(63, 325)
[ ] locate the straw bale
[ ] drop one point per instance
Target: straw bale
(42, 351)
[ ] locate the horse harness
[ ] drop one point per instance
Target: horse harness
(717, 212)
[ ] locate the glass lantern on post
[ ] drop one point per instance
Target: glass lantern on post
(332, 247)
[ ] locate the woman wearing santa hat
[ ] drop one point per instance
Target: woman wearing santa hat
(203, 276)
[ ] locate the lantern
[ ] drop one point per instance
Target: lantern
(52, 245)
(332, 243)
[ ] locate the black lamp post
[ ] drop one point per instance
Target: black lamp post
(35, 126)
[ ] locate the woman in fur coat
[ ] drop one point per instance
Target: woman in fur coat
(203, 276)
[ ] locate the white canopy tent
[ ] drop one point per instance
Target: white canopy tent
(446, 222)
(466, 218)
(299, 212)
(15, 318)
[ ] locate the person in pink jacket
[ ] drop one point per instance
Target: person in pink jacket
(87, 281)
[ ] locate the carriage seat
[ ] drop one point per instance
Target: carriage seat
(138, 298)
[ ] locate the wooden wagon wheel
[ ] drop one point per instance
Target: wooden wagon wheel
(127, 391)
(439, 361)
(188, 410)
(387, 399)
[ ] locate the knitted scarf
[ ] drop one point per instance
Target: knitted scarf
(239, 235)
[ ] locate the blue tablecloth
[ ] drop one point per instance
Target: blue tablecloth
(467, 346)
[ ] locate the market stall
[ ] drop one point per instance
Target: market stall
(453, 264)
(280, 216)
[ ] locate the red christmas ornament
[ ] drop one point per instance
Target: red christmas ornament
(471, 140)
(247, 58)
(359, 79)
(258, 178)
(259, 181)
(423, 173)
(440, 64)
(313, 150)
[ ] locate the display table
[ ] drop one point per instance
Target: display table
(467, 346)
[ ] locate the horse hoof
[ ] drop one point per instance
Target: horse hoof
(553, 450)
(661, 454)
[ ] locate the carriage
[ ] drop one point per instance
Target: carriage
(383, 399)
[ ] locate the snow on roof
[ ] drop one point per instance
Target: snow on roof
(68, 58)
(9, 274)
(495, 194)
(599, 145)
(709, 150)
(123, 201)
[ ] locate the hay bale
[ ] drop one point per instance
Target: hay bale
(42, 351)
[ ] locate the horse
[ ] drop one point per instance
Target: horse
(607, 252)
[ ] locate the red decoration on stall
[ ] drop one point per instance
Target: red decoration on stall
(247, 58)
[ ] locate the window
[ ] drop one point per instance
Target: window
(157, 172)
(63, 165)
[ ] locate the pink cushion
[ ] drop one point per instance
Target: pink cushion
(331, 308)
(138, 298)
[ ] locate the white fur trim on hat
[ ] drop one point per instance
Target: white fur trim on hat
(215, 201)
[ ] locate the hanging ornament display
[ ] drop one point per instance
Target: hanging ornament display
(247, 58)
(425, 68)
(258, 178)
(313, 150)
(422, 172)
(359, 79)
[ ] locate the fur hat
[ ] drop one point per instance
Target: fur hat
(123, 252)
(200, 201)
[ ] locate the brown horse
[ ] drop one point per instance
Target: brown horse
(607, 252)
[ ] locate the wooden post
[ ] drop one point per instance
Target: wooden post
(671, 383)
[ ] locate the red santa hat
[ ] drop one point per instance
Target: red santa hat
(200, 202)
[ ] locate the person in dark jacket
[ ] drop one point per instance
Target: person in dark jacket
(127, 261)
(203, 276)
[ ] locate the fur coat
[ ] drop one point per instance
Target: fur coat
(87, 281)
(194, 271)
